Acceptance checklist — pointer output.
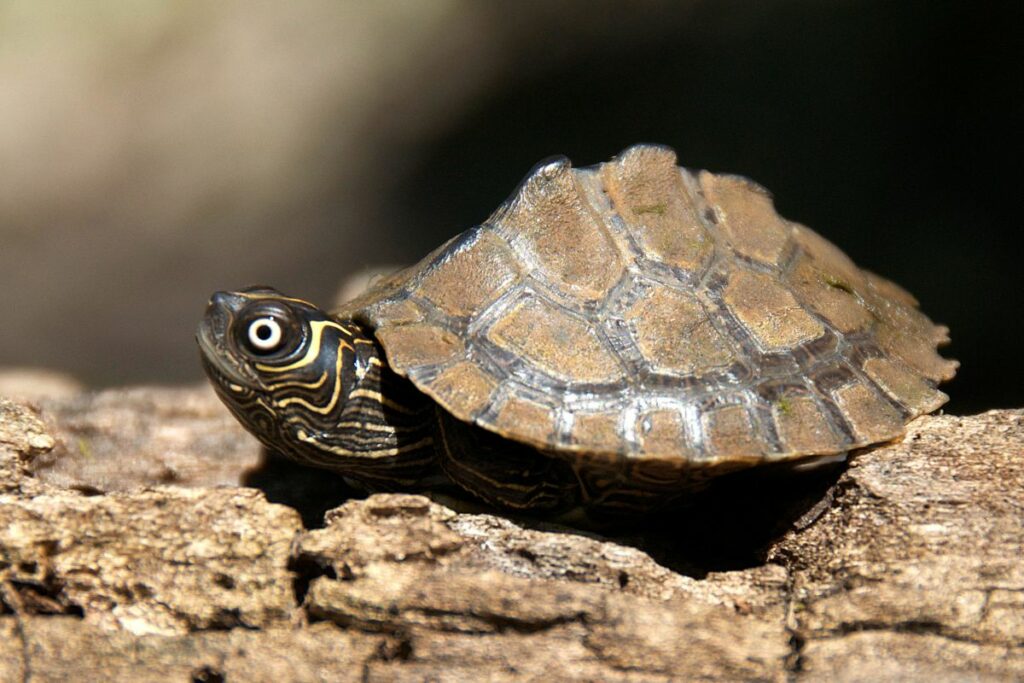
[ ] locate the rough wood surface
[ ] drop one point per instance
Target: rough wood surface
(130, 550)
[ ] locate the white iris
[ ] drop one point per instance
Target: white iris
(264, 334)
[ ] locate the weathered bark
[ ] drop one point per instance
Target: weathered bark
(129, 550)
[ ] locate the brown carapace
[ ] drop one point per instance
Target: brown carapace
(612, 337)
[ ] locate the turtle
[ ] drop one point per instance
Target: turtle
(611, 340)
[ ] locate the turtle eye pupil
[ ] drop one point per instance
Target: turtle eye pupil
(265, 335)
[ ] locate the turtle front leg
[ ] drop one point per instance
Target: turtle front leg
(501, 472)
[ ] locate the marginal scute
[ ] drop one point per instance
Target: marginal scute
(871, 416)
(890, 290)
(730, 434)
(769, 312)
(530, 420)
(647, 191)
(802, 426)
(382, 293)
(549, 214)
(904, 386)
(560, 344)
(399, 311)
(747, 217)
(599, 431)
(419, 344)
(465, 385)
(907, 334)
(471, 276)
(675, 334)
(661, 432)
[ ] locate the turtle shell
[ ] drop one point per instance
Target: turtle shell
(640, 309)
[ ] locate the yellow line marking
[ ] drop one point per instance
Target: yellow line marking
(383, 453)
(314, 348)
(367, 426)
(335, 393)
(386, 402)
(300, 385)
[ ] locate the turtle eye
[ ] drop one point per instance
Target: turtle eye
(264, 335)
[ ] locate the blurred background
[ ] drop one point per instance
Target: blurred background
(154, 151)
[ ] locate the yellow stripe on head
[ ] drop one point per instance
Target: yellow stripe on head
(383, 400)
(299, 385)
(317, 327)
(335, 393)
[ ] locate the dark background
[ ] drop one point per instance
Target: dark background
(892, 128)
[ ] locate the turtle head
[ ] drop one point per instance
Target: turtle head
(282, 366)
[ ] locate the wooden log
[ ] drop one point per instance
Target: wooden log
(130, 549)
